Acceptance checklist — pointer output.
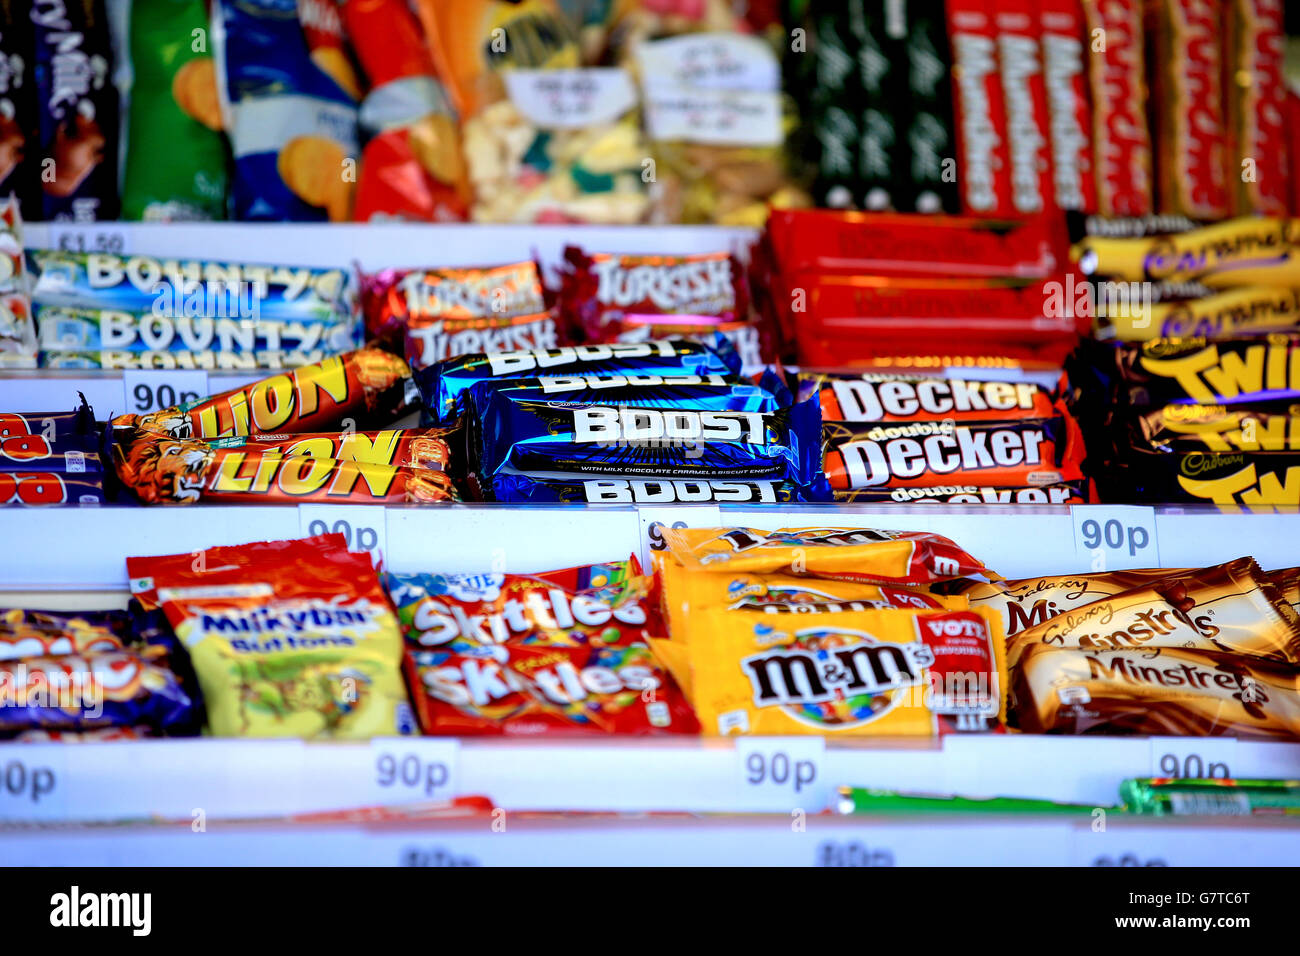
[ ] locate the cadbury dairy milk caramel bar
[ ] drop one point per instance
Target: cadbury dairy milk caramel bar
(1154, 690)
(1231, 608)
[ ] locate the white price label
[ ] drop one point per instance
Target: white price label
(33, 785)
(654, 520)
(852, 853)
(91, 237)
(1196, 758)
(365, 526)
(717, 61)
(413, 769)
(148, 390)
(713, 117)
(570, 99)
(781, 773)
(1115, 537)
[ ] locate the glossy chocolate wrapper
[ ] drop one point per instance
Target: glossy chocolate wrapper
(1238, 427)
(622, 440)
(1026, 602)
(38, 488)
(61, 442)
(1028, 452)
(1231, 479)
(1189, 370)
(1162, 691)
(1287, 581)
(442, 386)
(882, 397)
(161, 470)
(1079, 492)
(538, 488)
(368, 385)
(83, 692)
(1229, 608)
(411, 447)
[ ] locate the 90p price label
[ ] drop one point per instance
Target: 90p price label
(1111, 538)
(149, 390)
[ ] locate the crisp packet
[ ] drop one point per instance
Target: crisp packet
(293, 128)
(175, 164)
(288, 638)
(78, 109)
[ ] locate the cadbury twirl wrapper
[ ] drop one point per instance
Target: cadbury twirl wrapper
(443, 385)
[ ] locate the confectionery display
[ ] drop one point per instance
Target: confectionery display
(886, 411)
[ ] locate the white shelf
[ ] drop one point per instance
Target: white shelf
(669, 841)
(86, 548)
(242, 779)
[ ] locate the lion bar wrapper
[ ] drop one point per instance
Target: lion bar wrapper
(288, 638)
(362, 386)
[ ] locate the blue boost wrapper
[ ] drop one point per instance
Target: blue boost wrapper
(444, 384)
(635, 442)
(81, 692)
(510, 485)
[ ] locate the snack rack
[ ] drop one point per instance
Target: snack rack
(659, 802)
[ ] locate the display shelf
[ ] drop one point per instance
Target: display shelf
(241, 779)
(86, 548)
(776, 840)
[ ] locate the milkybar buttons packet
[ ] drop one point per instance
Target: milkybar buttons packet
(889, 672)
(1229, 608)
(292, 125)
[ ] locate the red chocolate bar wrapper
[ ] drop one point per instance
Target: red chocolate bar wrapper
(984, 161)
(923, 454)
(361, 386)
(409, 447)
(162, 470)
(393, 299)
(429, 341)
(1061, 493)
(1024, 93)
(51, 488)
(1191, 136)
(600, 288)
(1121, 140)
(881, 397)
(1255, 94)
(1066, 78)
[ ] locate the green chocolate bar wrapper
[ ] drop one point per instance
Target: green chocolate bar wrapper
(1166, 796)
(868, 800)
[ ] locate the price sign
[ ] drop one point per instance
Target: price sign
(1193, 757)
(364, 526)
(33, 785)
(1114, 537)
(413, 769)
(148, 390)
(92, 237)
(654, 520)
(852, 853)
(1129, 858)
(781, 773)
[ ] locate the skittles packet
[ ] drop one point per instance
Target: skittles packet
(867, 555)
(592, 604)
(363, 386)
(288, 638)
(880, 672)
